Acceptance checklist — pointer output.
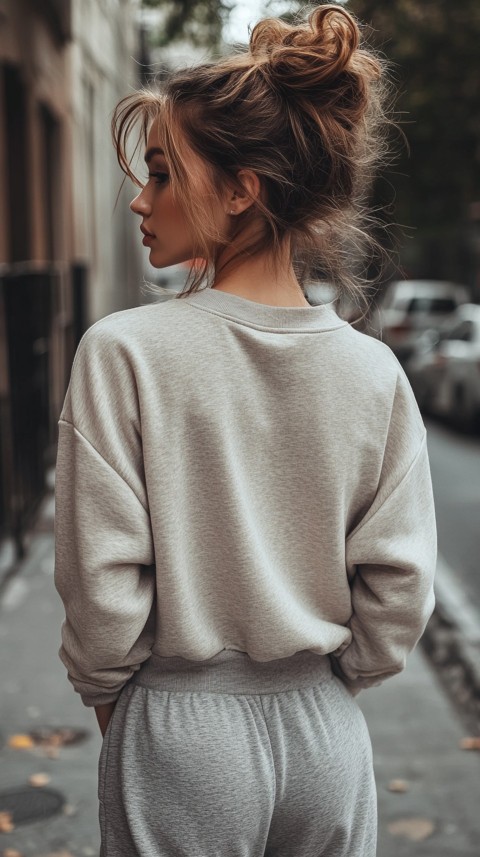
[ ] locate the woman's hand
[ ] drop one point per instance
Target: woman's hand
(104, 713)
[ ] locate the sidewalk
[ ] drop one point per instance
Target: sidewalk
(415, 735)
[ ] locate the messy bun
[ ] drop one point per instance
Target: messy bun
(304, 58)
(304, 108)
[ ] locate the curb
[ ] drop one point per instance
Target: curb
(452, 640)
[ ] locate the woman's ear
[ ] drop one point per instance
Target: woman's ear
(245, 193)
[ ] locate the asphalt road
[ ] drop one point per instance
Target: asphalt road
(455, 467)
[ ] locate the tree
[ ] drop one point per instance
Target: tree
(199, 22)
(433, 45)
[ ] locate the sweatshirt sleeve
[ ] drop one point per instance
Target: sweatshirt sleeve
(391, 555)
(104, 556)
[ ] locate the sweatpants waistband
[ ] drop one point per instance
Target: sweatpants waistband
(234, 672)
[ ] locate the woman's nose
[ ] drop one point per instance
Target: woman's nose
(140, 204)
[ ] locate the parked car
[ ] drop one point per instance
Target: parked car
(410, 307)
(425, 367)
(445, 370)
(162, 283)
(320, 292)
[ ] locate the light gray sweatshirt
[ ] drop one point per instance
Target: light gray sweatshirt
(232, 475)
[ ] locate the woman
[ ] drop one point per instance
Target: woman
(245, 532)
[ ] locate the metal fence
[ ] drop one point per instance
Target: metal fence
(27, 425)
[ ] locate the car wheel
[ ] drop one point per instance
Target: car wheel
(426, 400)
(462, 416)
(476, 420)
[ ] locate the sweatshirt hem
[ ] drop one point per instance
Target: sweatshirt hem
(232, 671)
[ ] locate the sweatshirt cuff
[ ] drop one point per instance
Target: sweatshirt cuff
(97, 695)
(99, 699)
(359, 683)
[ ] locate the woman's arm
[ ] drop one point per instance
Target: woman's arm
(104, 713)
(391, 558)
(104, 552)
(104, 571)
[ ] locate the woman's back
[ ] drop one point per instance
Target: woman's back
(261, 440)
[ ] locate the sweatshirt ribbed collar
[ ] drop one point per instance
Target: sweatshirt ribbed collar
(254, 314)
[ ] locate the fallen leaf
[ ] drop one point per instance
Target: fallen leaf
(6, 823)
(470, 743)
(44, 737)
(414, 829)
(398, 786)
(39, 779)
(69, 809)
(21, 742)
(11, 852)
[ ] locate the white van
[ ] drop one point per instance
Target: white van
(408, 307)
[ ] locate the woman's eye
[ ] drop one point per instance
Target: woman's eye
(160, 178)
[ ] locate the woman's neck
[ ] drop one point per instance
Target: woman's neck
(255, 279)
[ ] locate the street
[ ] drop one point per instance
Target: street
(428, 787)
(455, 466)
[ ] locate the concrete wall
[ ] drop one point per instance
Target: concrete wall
(103, 70)
(77, 78)
(28, 47)
(67, 255)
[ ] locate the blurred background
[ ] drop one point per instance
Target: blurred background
(70, 253)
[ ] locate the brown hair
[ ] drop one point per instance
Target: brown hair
(304, 107)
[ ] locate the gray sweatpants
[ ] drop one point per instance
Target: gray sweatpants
(235, 758)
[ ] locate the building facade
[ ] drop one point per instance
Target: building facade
(68, 255)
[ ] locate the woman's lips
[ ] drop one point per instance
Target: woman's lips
(147, 239)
